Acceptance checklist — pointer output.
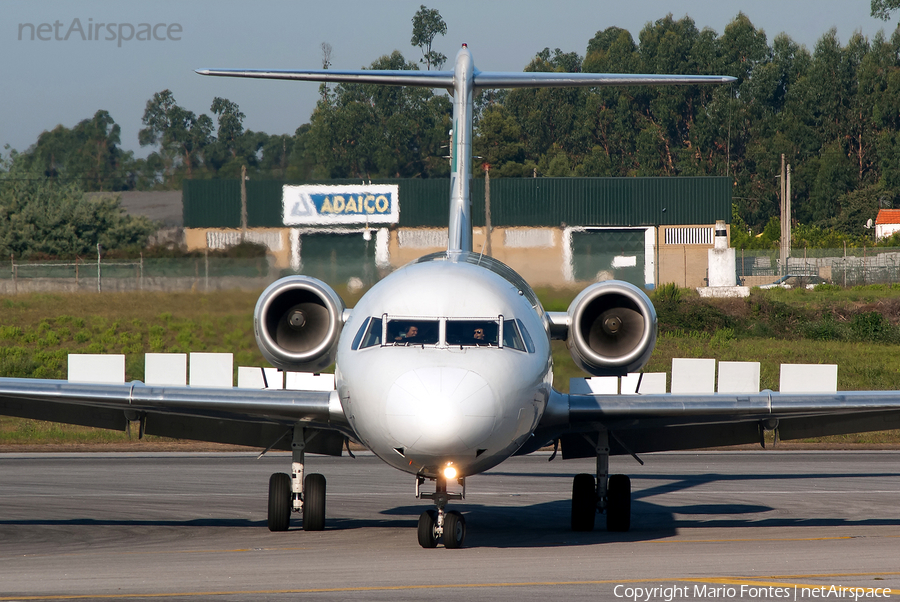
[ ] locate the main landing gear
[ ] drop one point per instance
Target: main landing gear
(438, 524)
(292, 493)
(608, 494)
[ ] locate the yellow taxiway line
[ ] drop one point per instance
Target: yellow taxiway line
(782, 581)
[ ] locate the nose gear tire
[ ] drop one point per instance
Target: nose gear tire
(428, 529)
(454, 530)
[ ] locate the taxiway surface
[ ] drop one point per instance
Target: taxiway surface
(193, 526)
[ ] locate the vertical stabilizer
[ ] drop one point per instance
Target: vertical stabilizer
(460, 221)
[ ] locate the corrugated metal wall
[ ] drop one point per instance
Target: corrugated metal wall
(211, 203)
(514, 201)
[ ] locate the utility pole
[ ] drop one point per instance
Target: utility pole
(785, 178)
(787, 196)
(243, 202)
(487, 209)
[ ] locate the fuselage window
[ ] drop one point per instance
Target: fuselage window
(373, 334)
(472, 333)
(413, 332)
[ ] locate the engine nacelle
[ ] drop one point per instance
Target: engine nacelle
(612, 329)
(298, 321)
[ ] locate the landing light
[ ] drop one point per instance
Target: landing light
(450, 472)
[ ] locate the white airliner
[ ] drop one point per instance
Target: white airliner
(443, 368)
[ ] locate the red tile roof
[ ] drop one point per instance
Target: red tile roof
(888, 216)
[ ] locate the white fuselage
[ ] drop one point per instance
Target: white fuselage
(441, 397)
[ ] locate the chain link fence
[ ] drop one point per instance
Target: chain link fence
(844, 267)
(184, 273)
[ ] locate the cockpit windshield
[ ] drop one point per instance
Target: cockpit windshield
(444, 332)
(413, 332)
(472, 333)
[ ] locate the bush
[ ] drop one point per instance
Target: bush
(872, 327)
(40, 217)
(668, 293)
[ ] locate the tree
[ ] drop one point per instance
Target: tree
(276, 156)
(232, 147)
(364, 131)
(231, 123)
(44, 217)
(48, 155)
(882, 9)
(498, 141)
(302, 163)
(611, 51)
(180, 134)
(427, 23)
(326, 64)
(97, 156)
(550, 116)
(10, 161)
(88, 153)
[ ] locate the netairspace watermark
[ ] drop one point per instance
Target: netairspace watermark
(670, 593)
(94, 32)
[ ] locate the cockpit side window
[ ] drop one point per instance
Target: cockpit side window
(511, 337)
(413, 332)
(359, 334)
(372, 336)
(472, 333)
(529, 344)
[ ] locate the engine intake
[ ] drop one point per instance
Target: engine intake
(298, 321)
(612, 329)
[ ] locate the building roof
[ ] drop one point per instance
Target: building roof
(888, 216)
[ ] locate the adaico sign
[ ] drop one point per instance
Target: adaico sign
(345, 204)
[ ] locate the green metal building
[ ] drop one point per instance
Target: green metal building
(604, 227)
(535, 202)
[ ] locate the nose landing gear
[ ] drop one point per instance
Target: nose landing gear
(437, 524)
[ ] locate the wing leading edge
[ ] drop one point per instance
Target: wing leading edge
(667, 422)
(257, 418)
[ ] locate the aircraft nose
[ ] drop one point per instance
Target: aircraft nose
(440, 410)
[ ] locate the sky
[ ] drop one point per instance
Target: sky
(57, 81)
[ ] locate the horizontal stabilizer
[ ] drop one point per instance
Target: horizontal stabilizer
(429, 79)
(486, 79)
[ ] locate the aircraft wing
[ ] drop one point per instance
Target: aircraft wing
(647, 423)
(253, 417)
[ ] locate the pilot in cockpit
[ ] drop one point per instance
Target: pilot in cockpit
(411, 333)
